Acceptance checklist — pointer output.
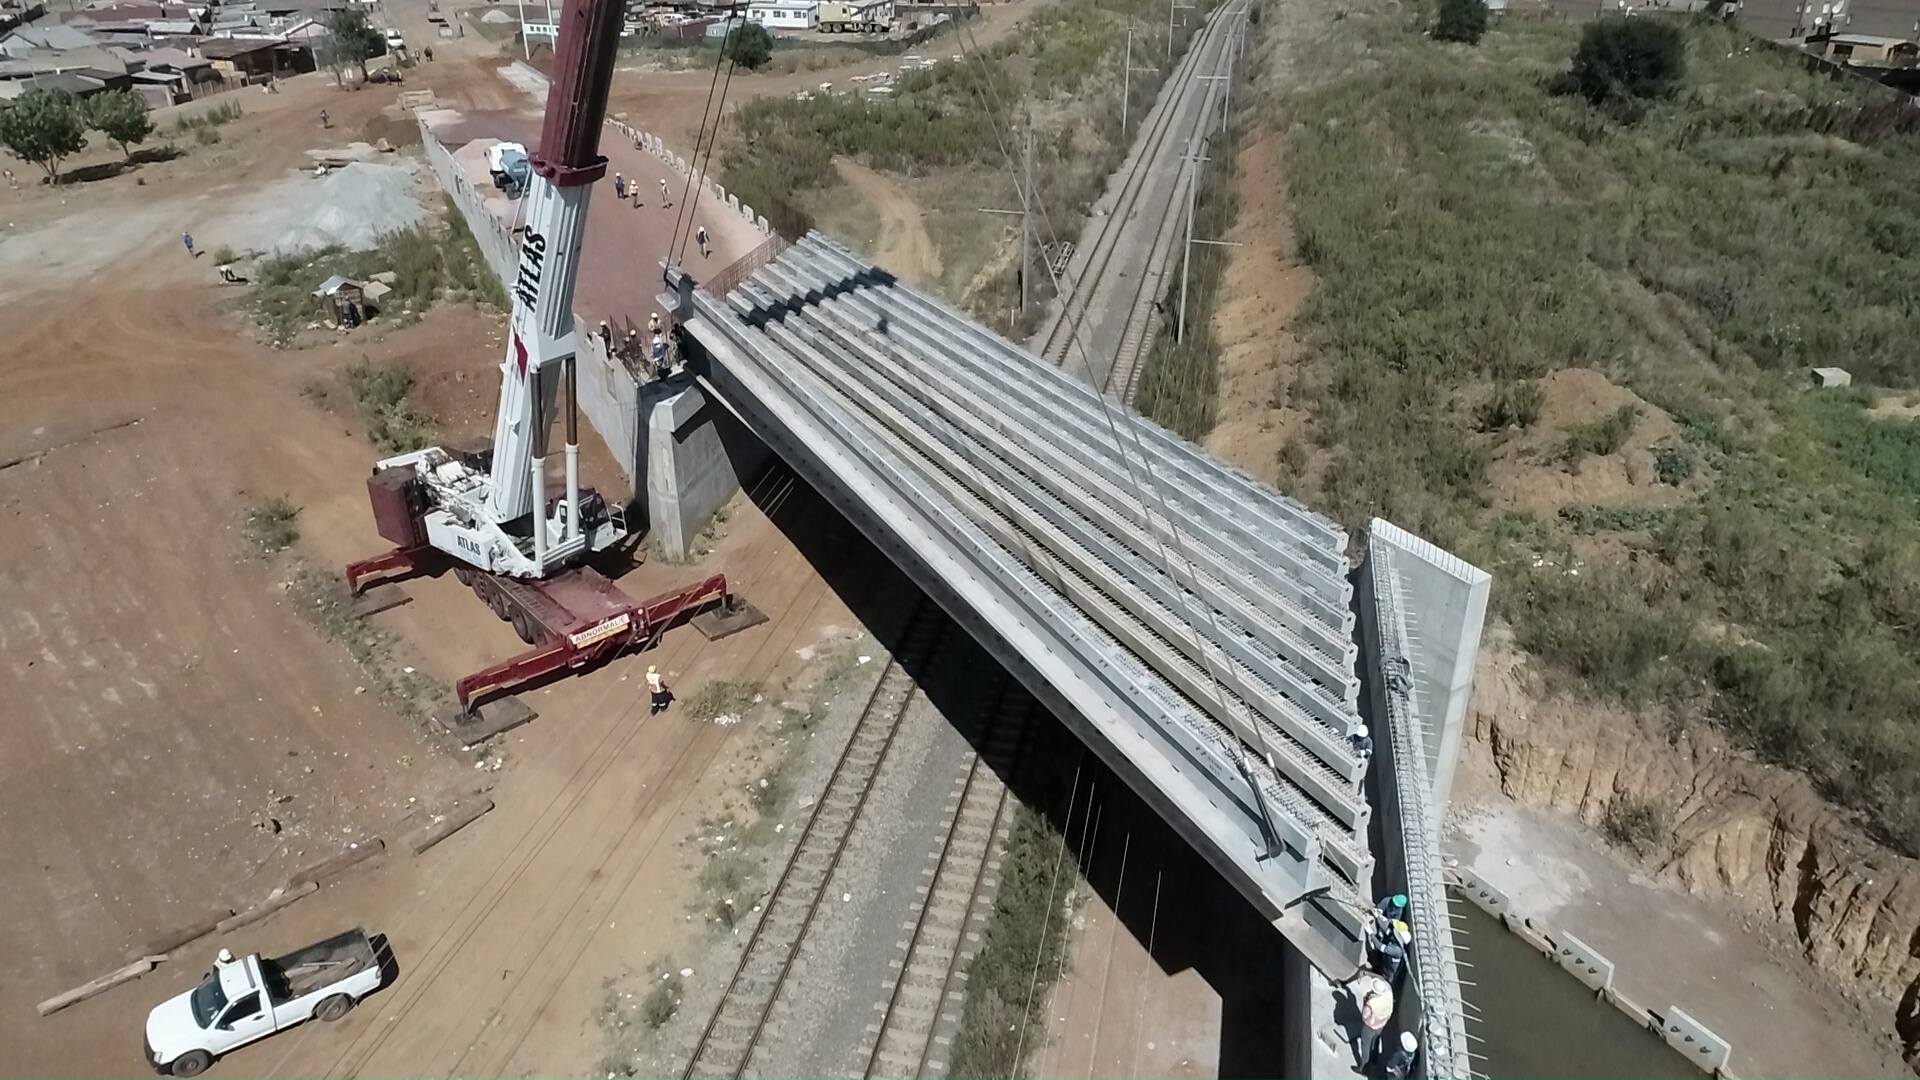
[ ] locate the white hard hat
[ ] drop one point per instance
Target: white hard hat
(1360, 732)
(1408, 1042)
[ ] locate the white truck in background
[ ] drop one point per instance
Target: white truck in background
(247, 999)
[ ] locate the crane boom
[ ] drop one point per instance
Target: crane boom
(493, 512)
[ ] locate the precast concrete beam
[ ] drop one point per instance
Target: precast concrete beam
(982, 483)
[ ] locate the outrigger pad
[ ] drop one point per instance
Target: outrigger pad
(717, 623)
(385, 595)
(490, 719)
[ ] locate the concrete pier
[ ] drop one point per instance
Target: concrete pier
(698, 454)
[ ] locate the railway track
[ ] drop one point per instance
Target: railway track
(727, 1044)
(1074, 306)
(917, 1010)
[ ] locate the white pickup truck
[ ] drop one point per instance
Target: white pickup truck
(243, 1000)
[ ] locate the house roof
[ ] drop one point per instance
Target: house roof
(68, 81)
(166, 56)
(1869, 40)
(53, 37)
(334, 284)
(228, 48)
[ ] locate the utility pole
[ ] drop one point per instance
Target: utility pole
(1026, 218)
(1186, 255)
(1126, 77)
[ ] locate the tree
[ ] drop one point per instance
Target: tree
(1624, 61)
(43, 126)
(351, 40)
(121, 116)
(1461, 20)
(750, 46)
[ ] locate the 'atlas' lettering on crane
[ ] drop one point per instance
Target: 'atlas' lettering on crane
(533, 251)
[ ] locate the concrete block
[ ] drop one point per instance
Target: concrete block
(1485, 896)
(493, 717)
(1587, 965)
(761, 221)
(734, 201)
(1707, 1051)
(746, 211)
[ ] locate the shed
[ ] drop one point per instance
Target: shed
(1829, 377)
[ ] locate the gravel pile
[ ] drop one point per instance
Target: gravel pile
(351, 206)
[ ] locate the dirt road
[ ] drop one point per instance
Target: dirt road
(904, 248)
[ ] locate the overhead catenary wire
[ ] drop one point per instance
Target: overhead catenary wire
(1151, 482)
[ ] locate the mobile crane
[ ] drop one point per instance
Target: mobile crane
(487, 511)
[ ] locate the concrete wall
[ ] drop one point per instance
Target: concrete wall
(496, 242)
(1444, 613)
(1421, 611)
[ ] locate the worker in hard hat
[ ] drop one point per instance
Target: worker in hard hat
(1400, 1062)
(657, 690)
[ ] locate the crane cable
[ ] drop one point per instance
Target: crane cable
(1152, 482)
(700, 136)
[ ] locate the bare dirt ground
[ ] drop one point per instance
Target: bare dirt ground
(1263, 290)
(1528, 471)
(171, 696)
(903, 248)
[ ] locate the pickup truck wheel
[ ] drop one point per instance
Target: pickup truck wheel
(334, 1008)
(191, 1063)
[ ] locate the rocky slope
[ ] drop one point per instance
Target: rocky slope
(1739, 830)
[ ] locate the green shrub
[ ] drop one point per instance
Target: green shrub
(661, 1002)
(1638, 824)
(271, 526)
(720, 697)
(382, 391)
(1603, 436)
(1004, 1015)
(750, 46)
(1461, 20)
(1627, 60)
(1672, 464)
(1514, 404)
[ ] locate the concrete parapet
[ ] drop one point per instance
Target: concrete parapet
(1702, 1047)
(1446, 601)
(1485, 896)
(1584, 962)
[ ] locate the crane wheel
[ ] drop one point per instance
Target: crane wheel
(463, 575)
(523, 626)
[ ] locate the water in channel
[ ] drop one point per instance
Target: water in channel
(1540, 1023)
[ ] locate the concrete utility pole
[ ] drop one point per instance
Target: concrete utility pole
(1171, 8)
(1026, 218)
(1186, 255)
(1126, 82)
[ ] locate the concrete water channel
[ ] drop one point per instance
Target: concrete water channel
(1538, 1022)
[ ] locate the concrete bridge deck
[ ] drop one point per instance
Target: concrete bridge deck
(1195, 626)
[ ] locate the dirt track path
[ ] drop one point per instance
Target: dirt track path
(905, 249)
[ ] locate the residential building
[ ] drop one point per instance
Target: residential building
(785, 14)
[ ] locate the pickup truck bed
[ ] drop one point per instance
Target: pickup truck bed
(303, 971)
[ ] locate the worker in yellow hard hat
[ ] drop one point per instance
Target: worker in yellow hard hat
(658, 691)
